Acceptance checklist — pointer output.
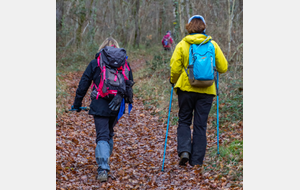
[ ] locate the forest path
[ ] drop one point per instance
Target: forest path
(136, 160)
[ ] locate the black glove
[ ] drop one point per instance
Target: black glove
(129, 83)
(171, 83)
(74, 108)
(129, 92)
(94, 94)
(129, 96)
(115, 103)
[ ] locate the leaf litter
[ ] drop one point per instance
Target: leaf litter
(136, 161)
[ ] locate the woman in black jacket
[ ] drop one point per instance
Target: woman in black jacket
(105, 112)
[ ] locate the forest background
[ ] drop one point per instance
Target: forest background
(81, 25)
(138, 26)
(270, 116)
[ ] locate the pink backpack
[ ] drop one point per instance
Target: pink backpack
(112, 79)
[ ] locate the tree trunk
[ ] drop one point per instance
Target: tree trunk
(157, 18)
(181, 23)
(161, 16)
(230, 18)
(187, 6)
(163, 19)
(193, 7)
(137, 26)
(176, 21)
(114, 15)
(81, 15)
(92, 21)
(59, 13)
(122, 15)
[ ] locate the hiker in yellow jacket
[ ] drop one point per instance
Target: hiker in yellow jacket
(192, 98)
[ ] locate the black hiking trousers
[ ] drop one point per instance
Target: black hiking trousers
(200, 104)
(104, 127)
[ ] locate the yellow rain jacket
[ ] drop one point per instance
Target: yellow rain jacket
(180, 61)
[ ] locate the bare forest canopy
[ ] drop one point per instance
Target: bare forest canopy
(82, 25)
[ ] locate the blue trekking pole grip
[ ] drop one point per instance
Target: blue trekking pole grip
(217, 83)
(167, 128)
(82, 108)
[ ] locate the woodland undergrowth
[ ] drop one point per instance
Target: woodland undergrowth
(139, 137)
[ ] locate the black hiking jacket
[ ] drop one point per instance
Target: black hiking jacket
(98, 106)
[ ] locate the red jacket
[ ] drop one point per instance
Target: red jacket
(170, 40)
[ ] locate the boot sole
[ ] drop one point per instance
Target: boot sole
(102, 179)
(183, 161)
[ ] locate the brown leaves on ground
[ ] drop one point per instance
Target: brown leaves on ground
(136, 161)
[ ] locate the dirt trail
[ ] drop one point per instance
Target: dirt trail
(137, 155)
(137, 64)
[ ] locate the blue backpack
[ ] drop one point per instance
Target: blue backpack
(166, 42)
(202, 67)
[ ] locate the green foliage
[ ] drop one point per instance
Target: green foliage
(233, 151)
(230, 108)
(75, 57)
(228, 162)
(231, 95)
(69, 59)
(61, 94)
(153, 85)
(175, 120)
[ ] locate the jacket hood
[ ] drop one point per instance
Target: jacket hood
(196, 38)
(97, 55)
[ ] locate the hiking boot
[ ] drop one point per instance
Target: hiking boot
(194, 165)
(102, 176)
(184, 157)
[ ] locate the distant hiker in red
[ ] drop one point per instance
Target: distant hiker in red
(167, 41)
(111, 80)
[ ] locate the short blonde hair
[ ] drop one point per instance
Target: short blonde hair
(108, 42)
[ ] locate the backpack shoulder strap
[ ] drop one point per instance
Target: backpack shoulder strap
(98, 59)
(191, 49)
(101, 61)
(123, 69)
(208, 40)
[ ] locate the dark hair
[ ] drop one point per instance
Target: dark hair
(195, 26)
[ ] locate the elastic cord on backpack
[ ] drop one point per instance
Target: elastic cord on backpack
(116, 74)
(202, 42)
(192, 52)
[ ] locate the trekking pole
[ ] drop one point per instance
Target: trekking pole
(82, 108)
(218, 112)
(167, 127)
